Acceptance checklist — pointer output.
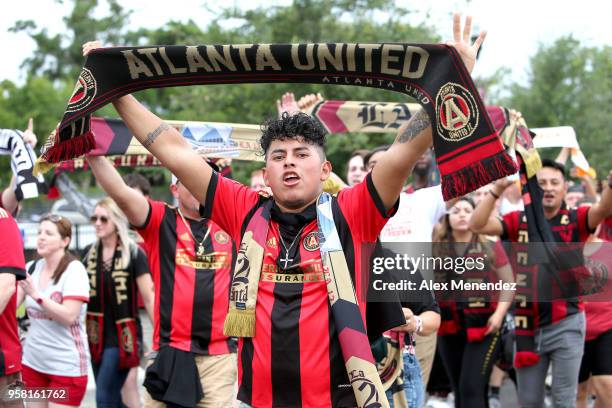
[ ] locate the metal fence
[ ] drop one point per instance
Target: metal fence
(82, 235)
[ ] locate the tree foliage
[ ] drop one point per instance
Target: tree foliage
(570, 85)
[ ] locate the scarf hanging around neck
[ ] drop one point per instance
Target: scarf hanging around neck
(22, 164)
(123, 303)
(542, 266)
(468, 151)
(354, 343)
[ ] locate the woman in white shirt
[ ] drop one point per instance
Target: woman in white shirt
(56, 293)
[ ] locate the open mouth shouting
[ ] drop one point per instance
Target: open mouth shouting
(290, 179)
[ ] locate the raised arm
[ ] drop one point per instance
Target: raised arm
(481, 221)
(131, 202)
(7, 289)
(9, 199)
(603, 209)
(163, 141)
(413, 138)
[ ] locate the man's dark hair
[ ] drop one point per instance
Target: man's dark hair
(137, 180)
(553, 164)
(378, 149)
(295, 126)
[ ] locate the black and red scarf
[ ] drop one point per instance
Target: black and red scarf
(546, 271)
(123, 299)
(466, 311)
(468, 150)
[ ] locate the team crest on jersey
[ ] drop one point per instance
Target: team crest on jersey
(221, 237)
(271, 243)
(84, 92)
(311, 241)
(456, 112)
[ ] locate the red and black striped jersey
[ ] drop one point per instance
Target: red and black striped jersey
(295, 359)
(568, 225)
(11, 262)
(191, 291)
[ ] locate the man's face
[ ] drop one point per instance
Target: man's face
(422, 165)
(356, 171)
(186, 201)
(552, 182)
(294, 171)
(258, 183)
(373, 160)
(572, 198)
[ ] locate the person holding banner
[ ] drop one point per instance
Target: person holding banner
(293, 302)
(8, 198)
(190, 259)
(558, 332)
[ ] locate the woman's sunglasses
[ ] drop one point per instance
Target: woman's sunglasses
(94, 218)
(51, 217)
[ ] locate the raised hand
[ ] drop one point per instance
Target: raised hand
(287, 104)
(461, 41)
(307, 101)
(90, 46)
(28, 134)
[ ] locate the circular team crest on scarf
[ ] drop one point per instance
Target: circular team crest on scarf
(456, 111)
(93, 331)
(128, 340)
(84, 92)
(311, 241)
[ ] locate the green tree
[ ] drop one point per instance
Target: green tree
(570, 85)
(301, 21)
(60, 56)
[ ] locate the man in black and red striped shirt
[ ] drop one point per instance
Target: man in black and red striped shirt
(191, 260)
(294, 358)
(12, 268)
(561, 322)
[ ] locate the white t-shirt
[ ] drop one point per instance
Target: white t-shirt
(51, 347)
(416, 216)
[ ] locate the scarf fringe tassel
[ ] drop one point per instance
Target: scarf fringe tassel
(65, 150)
(239, 323)
(525, 359)
(476, 175)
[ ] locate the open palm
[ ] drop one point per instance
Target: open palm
(461, 41)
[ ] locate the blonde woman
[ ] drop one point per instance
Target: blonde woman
(56, 292)
(117, 267)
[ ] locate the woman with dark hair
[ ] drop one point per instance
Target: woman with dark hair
(117, 268)
(56, 293)
(469, 336)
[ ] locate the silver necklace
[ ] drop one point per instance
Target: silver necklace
(286, 259)
(200, 252)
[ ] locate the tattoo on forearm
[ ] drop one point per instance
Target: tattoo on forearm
(419, 122)
(153, 135)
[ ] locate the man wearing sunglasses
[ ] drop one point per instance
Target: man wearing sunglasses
(191, 261)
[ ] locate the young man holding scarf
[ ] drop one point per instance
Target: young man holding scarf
(293, 303)
(560, 330)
